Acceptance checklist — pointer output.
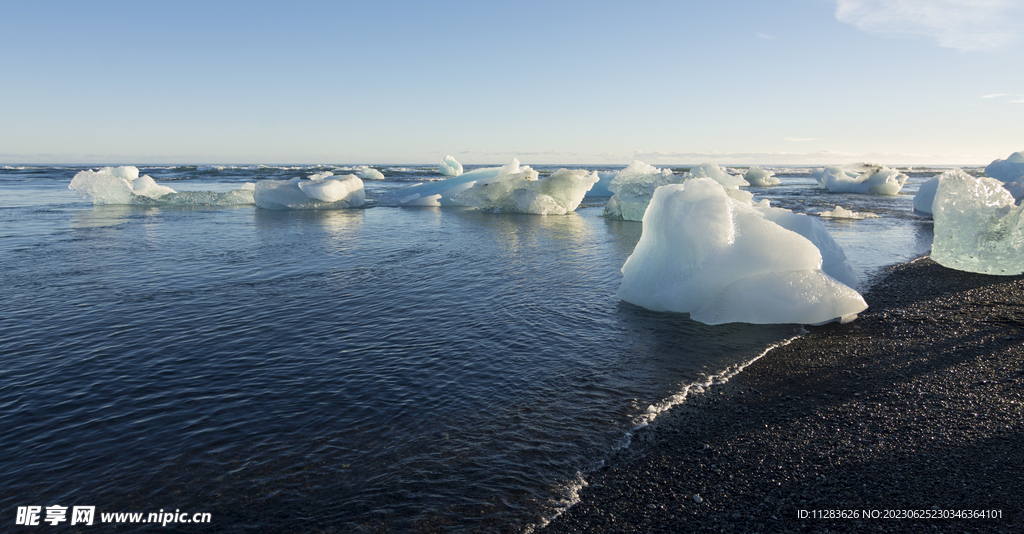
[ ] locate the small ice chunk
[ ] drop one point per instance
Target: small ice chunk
(760, 177)
(925, 196)
(517, 189)
(369, 173)
(862, 178)
(297, 194)
(1010, 169)
(713, 171)
(978, 227)
(842, 213)
(721, 260)
(450, 167)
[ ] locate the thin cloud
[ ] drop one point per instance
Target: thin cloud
(1018, 101)
(959, 24)
(801, 139)
(998, 95)
(764, 36)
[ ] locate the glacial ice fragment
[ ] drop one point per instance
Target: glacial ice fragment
(517, 189)
(123, 185)
(721, 260)
(978, 227)
(759, 177)
(925, 196)
(842, 213)
(862, 178)
(298, 194)
(450, 167)
(1010, 169)
(634, 186)
(369, 173)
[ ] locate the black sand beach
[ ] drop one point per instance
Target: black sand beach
(915, 409)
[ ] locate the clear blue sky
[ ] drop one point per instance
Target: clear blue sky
(730, 81)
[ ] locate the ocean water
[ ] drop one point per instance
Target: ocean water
(365, 370)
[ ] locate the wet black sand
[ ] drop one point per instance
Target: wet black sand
(915, 408)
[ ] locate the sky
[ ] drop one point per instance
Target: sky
(547, 82)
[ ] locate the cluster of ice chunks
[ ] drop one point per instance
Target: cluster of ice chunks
(518, 189)
(978, 226)
(320, 191)
(513, 188)
(724, 260)
(634, 186)
(863, 178)
(450, 167)
(123, 185)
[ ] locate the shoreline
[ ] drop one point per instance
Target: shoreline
(916, 407)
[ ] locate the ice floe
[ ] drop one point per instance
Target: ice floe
(842, 213)
(517, 189)
(722, 260)
(369, 173)
(978, 226)
(316, 194)
(863, 178)
(759, 177)
(450, 167)
(123, 185)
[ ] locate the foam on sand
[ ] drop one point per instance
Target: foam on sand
(862, 178)
(123, 185)
(315, 194)
(978, 226)
(721, 260)
(450, 167)
(517, 189)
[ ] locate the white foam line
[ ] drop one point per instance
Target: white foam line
(571, 490)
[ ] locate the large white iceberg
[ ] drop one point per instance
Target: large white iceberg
(123, 185)
(721, 260)
(634, 186)
(978, 227)
(861, 178)
(759, 177)
(450, 167)
(315, 194)
(833, 259)
(1010, 169)
(517, 189)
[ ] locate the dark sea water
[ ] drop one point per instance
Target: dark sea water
(365, 370)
